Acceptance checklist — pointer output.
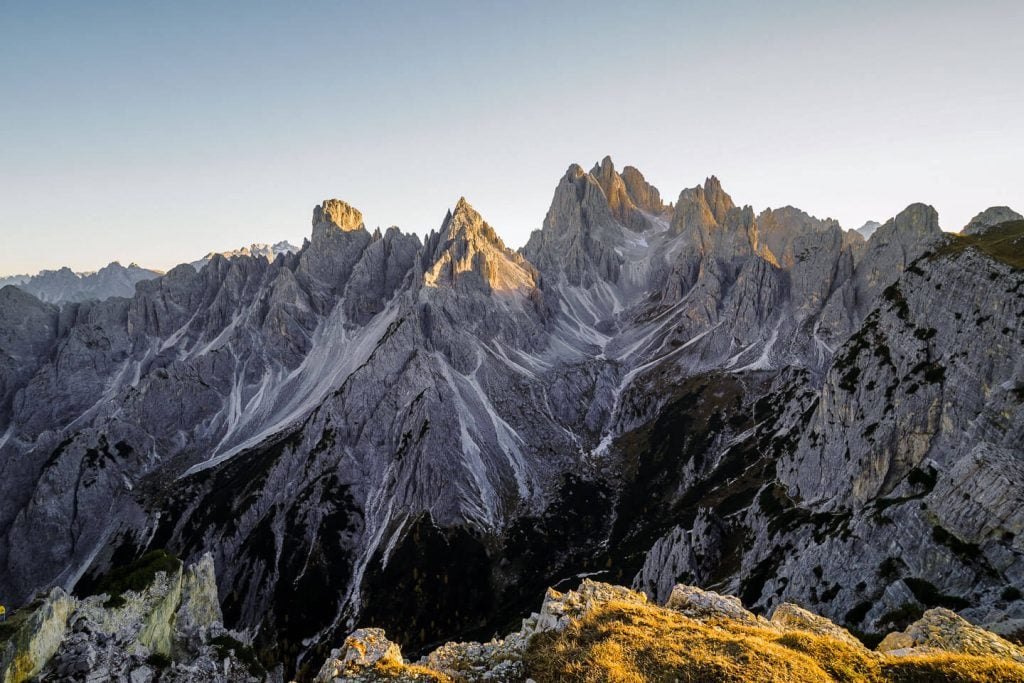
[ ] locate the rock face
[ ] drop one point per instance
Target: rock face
(756, 402)
(30, 647)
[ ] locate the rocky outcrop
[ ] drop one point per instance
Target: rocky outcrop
(366, 654)
(369, 656)
(704, 605)
(35, 639)
(941, 630)
(169, 630)
(790, 617)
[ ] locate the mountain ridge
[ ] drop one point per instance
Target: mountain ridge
(625, 390)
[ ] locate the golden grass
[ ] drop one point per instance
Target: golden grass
(622, 642)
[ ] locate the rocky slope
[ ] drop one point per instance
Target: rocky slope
(654, 393)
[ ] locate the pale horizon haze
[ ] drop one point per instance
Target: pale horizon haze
(156, 133)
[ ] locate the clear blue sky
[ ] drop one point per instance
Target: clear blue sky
(156, 132)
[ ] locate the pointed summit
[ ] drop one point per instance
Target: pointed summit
(701, 207)
(468, 252)
(576, 239)
(718, 201)
(628, 195)
(466, 223)
(614, 190)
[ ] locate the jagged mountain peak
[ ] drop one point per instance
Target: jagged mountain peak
(574, 171)
(466, 223)
(335, 214)
(577, 233)
(644, 195)
(990, 217)
(718, 200)
(605, 166)
(702, 207)
(629, 194)
(468, 247)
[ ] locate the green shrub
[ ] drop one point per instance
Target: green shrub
(158, 660)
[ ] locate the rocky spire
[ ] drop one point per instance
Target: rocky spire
(338, 240)
(334, 214)
(644, 195)
(702, 207)
(718, 201)
(628, 195)
(467, 250)
(692, 211)
(614, 189)
(465, 224)
(579, 232)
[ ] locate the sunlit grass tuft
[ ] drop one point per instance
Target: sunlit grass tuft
(621, 642)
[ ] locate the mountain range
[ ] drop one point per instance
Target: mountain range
(65, 285)
(425, 434)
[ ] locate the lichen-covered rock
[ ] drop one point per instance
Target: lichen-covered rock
(169, 631)
(364, 651)
(558, 609)
(200, 605)
(943, 630)
(30, 647)
(707, 605)
(496, 661)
